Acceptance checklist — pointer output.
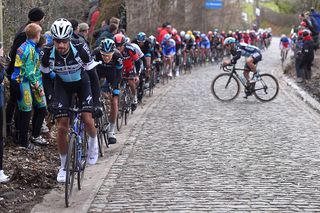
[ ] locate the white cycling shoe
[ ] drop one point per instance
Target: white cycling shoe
(93, 154)
(62, 175)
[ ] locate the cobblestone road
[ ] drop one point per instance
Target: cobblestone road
(191, 153)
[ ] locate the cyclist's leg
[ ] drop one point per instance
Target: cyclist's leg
(62, 121)
(85, 96)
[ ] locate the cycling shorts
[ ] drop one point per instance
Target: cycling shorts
(167, 52)
(65, 90)
(129, 74)
(205, 45)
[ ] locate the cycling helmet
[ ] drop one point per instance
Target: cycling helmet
(182, 34)
(303, 24)
(187, 37)
(141, 37)
(229, 40)
(107, 45)
(174, 31)
(152, 39)
(203, 36)
(210, 33)
(167, 37)
(119, 39)
(127, 39)
(189, 32)
(61, 29)
(283, 36)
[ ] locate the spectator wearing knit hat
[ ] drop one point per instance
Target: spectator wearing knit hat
(35, 15)
(84, 31)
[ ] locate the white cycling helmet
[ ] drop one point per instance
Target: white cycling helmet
(61, 29)
(182, 34)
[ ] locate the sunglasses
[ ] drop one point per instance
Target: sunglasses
(106, 54)
(61, 41)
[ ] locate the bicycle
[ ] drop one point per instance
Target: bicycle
(77, 151)
(102, 124)
(226, 86)
(188, 63)
(125, 103)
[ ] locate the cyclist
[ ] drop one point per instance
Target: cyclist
(205, 47)
(168, 46)
(252, 54)
(156, 55)
(178, 41)
(145, 46)
(189, 47)
(75, 73)
(284, 45)
(141, 83)
(111, 70)
(131, 64)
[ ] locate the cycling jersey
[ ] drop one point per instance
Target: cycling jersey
(138, 50)
(284, 42)
(130, 60)
(168, 47)
(145, 48)
(190, 44)
(112, 70)
(68, 67)
(205, 43)
(246, 50)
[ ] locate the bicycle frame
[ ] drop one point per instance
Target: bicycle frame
(233, 71)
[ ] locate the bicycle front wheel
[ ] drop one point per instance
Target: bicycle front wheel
(266, 88)
(70, 168)
(225, 87)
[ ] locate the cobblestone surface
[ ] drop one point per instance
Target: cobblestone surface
(191, 153)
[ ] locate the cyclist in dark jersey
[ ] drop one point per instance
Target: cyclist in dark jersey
(252, 54)
(111, 70)
(145, 46)
(131, 64)
(75, 73)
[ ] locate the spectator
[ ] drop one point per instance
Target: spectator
(26, 79)
(94, 14)
(297, 50)
(84, 32)
(165, 30)
(108, 33)
(307, 55)
(35, 15)
(313, 28)
(76, 31)
(3, 177)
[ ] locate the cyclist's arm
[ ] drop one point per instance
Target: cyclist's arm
(117, 77)
(236, 57)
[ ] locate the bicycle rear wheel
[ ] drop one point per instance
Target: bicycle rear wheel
(225, 87)
(266, 88)
(70, 168)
